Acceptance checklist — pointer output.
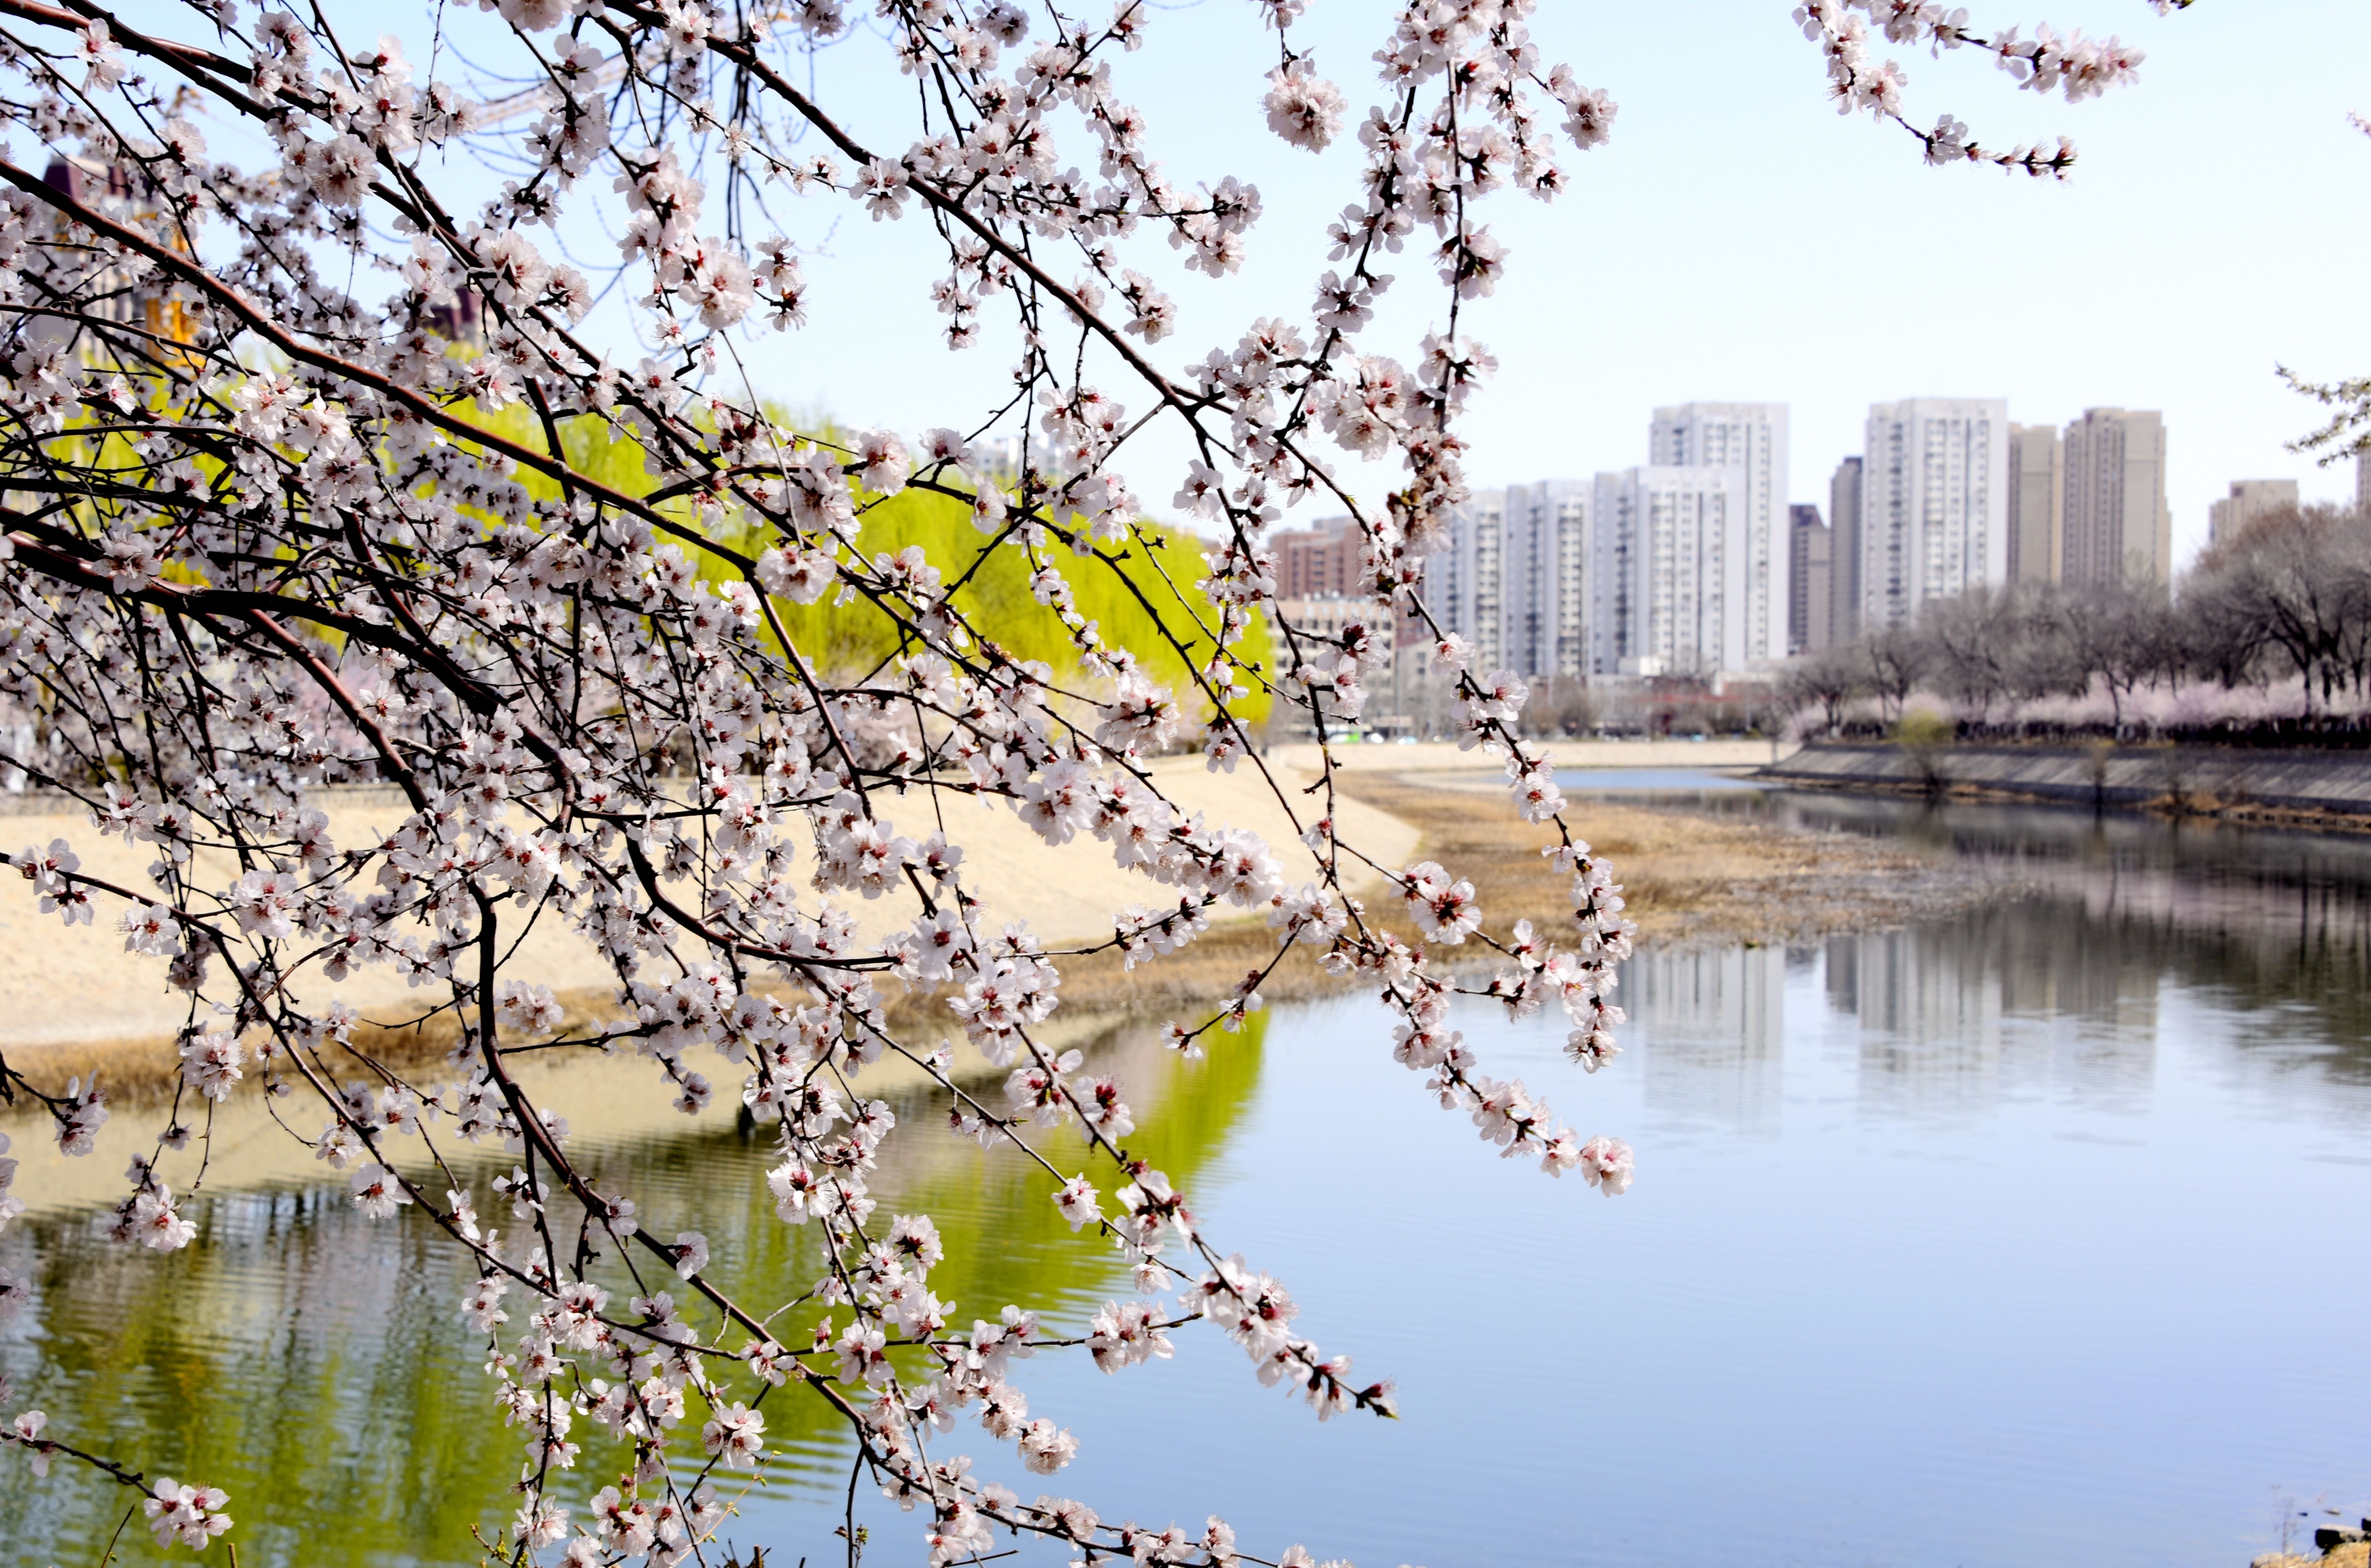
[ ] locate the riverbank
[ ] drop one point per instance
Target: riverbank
(87, 1007)
(2356, 1555)
(1688, 877)
(1689, 880)
(2329, 790)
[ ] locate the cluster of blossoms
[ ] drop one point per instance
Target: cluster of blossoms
(2049, 62)
(267, 536)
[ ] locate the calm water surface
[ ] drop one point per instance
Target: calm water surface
(2032, 1237)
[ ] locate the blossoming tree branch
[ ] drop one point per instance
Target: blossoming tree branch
(293, 458)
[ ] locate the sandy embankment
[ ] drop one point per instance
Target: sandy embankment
(64, 993)
(72, 998)
(68, 993)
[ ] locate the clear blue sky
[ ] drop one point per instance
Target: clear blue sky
(1737, 239)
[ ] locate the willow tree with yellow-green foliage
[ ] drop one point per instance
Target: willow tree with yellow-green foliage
(1144, 596)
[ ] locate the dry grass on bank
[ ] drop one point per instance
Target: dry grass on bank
(1688, 876)
(2357, 1555)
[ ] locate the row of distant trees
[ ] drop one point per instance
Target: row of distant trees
(2271, 629)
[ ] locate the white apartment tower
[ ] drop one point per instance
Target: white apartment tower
(1934, 503)
(1464, 583)
(1513, 577)
(1750, 438)
(1546, 560)
(2117, 526)
(1669, 556)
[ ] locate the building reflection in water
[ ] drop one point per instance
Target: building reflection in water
(1712, 1022)
(2010, 999)
(2106, 929)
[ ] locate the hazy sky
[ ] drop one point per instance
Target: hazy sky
(1738, 240)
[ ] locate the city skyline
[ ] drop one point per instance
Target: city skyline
(2037, 540)
(1686, 564)
(2258, 217)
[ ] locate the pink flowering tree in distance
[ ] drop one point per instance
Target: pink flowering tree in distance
(297, 461)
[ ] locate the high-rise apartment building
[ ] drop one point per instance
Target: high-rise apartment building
(1810, 579)
(2363, 478)
(2250, 499)
(2117, 526)
(1670, 549)
(1934, 503)
(1464, 583)
(1750, 438)
(2037, 485)
(1843, 551)
(1514, 578)
(1547, 577)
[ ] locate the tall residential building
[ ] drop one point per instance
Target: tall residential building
(2363, 478)
(1843, 551)
(1810, 579)
(1547, 577)
(2037, 486)
(1668, 554)
(1934, 503)
(1752, 438)
(2250, 499)
(1464, 583)
(1514, 578)
(2117, 528)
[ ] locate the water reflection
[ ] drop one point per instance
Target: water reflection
(1716, 1021)
(2022, 1236)
(309, 1360)
(2267, 921)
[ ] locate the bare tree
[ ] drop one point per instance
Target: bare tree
(1971, 641)
(1896, 659)
(2297, 582)
(2120, 633)
(1828, 678)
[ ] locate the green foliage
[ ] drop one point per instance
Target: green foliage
(1128, 592)
(1923, 729)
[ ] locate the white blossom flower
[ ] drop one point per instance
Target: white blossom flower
(1077, 1201)
(1046, 1448)
(734, 1434)
(377, 1191)
(1303, 108)
(190, 1514)
(152, 1221)
(1606, 1162)
(27, 1427)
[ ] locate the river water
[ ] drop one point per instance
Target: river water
(2033, 1235)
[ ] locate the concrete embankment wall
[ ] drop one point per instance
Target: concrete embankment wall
(2196, 777)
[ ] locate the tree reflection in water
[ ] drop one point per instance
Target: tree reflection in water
(300, 1355)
